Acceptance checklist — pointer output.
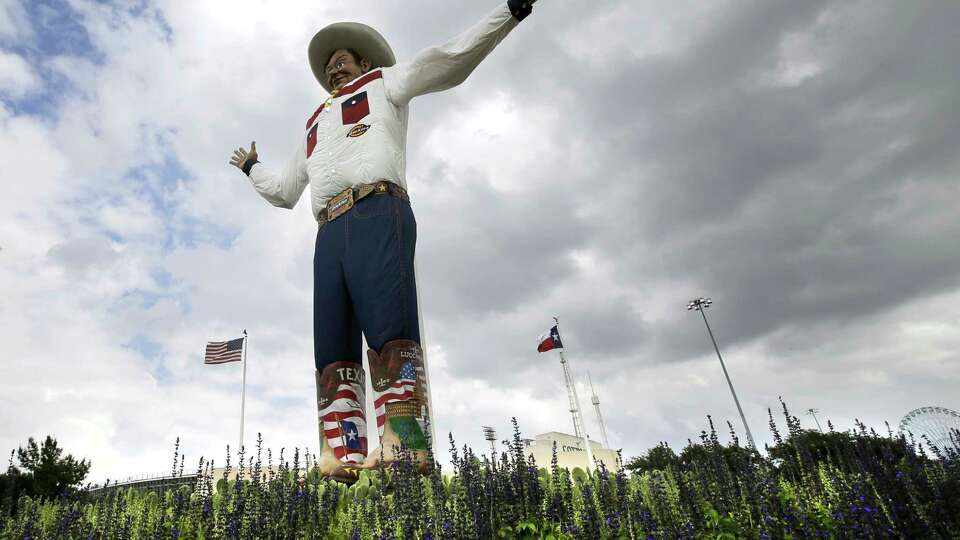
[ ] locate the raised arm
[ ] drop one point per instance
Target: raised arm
(445, 66)
(281, 189)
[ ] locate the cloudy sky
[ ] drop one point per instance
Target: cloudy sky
(612, 159)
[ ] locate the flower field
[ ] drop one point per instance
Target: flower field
(863, 486)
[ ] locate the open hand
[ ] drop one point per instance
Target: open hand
(241, 156)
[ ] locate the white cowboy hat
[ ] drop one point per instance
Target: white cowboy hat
(347, 35)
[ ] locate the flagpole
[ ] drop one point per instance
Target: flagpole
(243, 389)
(343, 440)
(583, 425)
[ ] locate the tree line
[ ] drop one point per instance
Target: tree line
(41, 472)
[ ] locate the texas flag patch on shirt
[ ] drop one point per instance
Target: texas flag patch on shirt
(311, 140)
(355, 108)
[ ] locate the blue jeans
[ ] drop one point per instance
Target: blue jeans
(363, 280)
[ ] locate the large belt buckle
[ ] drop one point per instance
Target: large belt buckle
(339, 204)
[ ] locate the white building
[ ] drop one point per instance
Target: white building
(570, 451)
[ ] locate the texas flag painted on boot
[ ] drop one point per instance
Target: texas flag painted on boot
(351, 435)
(340, 399)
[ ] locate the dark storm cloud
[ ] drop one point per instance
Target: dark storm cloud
(828, 199)
(601, 330)
(831, 199)
(490, 252)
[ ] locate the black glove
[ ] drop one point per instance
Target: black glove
(520, 8)
(248, 164)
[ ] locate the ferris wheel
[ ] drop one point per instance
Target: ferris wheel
(937, 425)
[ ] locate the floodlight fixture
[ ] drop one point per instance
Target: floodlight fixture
(699, 303)
(491, 436)
(813, 412)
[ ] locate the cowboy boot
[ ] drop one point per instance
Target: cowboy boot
(343, 425)
(401, 402)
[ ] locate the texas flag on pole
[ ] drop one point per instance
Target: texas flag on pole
(550, 341)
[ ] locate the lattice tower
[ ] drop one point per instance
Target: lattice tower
(596, 407)
(572, 397)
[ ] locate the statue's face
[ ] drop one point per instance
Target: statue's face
(343, 68)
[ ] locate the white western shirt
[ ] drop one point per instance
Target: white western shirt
(362, 135)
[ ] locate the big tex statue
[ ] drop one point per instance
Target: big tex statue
(352, 154)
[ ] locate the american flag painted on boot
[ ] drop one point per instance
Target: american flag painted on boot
(400, 390)
(345, 425)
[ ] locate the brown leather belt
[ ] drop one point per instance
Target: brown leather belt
(338, 205)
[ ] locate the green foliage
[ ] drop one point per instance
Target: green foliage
(530, 531)
(855, 486)
(52, 473)
(833, 447)
(43, 473)
(659, 457)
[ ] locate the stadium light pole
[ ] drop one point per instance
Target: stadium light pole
(491, 436)
(813, 413)
(701, 304)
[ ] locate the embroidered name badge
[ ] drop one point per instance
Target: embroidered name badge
(358, 130)
(354, 108)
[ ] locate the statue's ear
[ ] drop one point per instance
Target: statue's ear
(365, 65)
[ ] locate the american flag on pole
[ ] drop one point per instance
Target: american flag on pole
(221, 352)
(402, 389)
(344, 424)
